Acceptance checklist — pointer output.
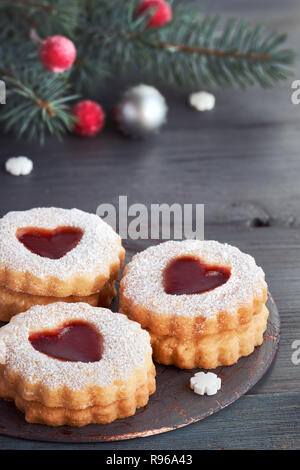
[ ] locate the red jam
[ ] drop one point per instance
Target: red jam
(187, 275)
(74, 341)
(52, 244)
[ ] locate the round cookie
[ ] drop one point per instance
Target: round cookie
(183, 292)
(75, 364)
(58, 252)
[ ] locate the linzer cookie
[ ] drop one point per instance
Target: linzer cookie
(73, 364)
(202, 302)
(51, 253)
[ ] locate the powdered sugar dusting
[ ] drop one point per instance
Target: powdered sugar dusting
(94, 254)
(143, 281)
(126, 347)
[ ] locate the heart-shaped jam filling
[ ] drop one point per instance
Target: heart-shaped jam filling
(74, 341)
(187, 275)
(52, 244)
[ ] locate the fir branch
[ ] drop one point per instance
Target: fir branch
(35, 5)
(37, 107)
(47, 16)
(191, 50)
(172, 47)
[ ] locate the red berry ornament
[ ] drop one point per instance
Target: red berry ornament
(57, 53)
(90, 118)
(161, 16)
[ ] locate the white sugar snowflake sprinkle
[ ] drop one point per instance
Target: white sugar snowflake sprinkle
(19, 166)
(208, 383)
(202, 101)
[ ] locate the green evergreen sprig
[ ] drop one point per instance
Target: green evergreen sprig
(37, 107)
(192, 50)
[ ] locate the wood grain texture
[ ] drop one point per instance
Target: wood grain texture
(242, 160)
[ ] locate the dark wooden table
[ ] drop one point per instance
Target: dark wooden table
(242, 161)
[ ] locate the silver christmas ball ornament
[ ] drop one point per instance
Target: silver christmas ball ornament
(141, 111)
